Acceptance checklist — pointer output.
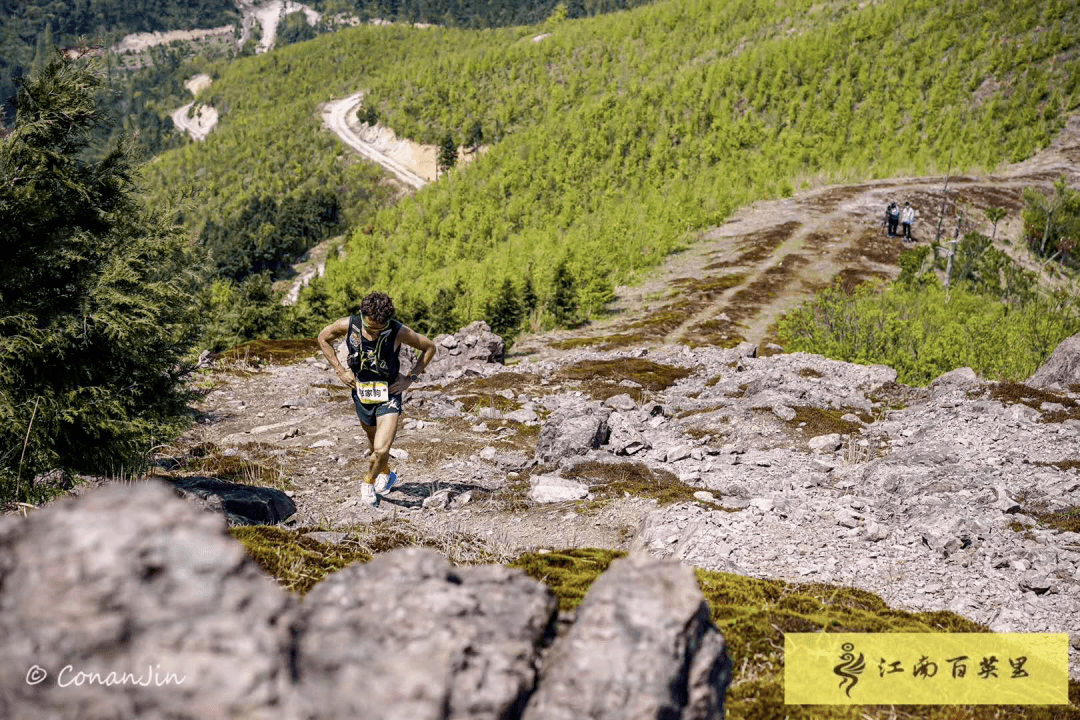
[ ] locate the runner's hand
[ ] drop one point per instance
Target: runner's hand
(347, 379)
(400, 385)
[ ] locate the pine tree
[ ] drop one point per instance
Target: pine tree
(447, 153)
(96, 319)
(563, 302)
(474, 136)
(505, 313)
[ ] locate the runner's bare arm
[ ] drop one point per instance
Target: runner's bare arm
(410, 337)
(330, 333)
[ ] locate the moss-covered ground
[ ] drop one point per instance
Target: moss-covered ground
(1013, 393)
(753, 616)
(607, 480)
(600, 378)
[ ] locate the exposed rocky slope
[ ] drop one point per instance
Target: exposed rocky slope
(790, 466)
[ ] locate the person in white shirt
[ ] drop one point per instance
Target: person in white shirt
(907, 217)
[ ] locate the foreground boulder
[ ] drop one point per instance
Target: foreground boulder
(132, 579)
(1062, 368)
(642, 647)
(130, 602)
(409, 636)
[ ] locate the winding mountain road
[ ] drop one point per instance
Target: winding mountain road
(335, 116)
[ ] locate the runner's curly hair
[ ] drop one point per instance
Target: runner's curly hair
(377, 306)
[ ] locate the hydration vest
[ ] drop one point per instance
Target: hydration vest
(373, 359)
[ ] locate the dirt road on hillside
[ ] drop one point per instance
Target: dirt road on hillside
(740, 278)
(335, 116)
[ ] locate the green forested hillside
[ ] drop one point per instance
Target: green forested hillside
(617, 137)
(31, 29)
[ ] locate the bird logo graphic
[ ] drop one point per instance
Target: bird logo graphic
(849, 667)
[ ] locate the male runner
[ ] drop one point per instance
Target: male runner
(373, 338)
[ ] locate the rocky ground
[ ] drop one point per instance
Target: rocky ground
(791, 466)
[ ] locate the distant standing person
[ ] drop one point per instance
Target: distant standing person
(907, 217)
(373, 338)
(892, 217)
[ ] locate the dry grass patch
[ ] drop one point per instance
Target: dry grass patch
(706, 288)
(1013, 393)
(602, 342)
(758, 245)
(715, 332)
(767, 287)
(602, 377)
(698, 411)
(269, 352)
(851, 278)
(807, 372)
(820, 421)
(610, 480)
(874, 246)
(296, 562)
(255, 466)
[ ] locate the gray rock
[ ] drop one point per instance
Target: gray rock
(746, 350)
(552, 488)
(296, 402)
(958, 378)
(642, 647)
(705, 496)
(1061, 369)
(621, 402)
(624, 438)
(488, 453)
(469, 349)
(565, 435)
(825, 443)
(409, 636)
(241, 504)
(439, 500)
(145, 584)
(676, 453)
(784, 412)
(325, 443)
(523, 415)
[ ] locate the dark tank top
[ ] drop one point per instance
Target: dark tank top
(373, 359)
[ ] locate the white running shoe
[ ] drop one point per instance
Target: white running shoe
(384, 483)
(367, 493)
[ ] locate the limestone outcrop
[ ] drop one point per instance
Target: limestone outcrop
(129, 602)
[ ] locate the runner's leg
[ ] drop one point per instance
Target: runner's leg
(385, 432)
(369, 430)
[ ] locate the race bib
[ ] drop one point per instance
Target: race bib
(372, 392)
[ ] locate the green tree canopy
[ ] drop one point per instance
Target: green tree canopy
(96, 314)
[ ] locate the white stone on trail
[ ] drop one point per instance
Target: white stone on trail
(676, 453)
(825, 443)
(552, 488)
(522, 416)
(399, 454)
(705, 496)
(783, 412)
(621, 402)
(322, 444)
(488, 453)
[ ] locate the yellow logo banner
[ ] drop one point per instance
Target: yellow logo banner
(926, 669)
